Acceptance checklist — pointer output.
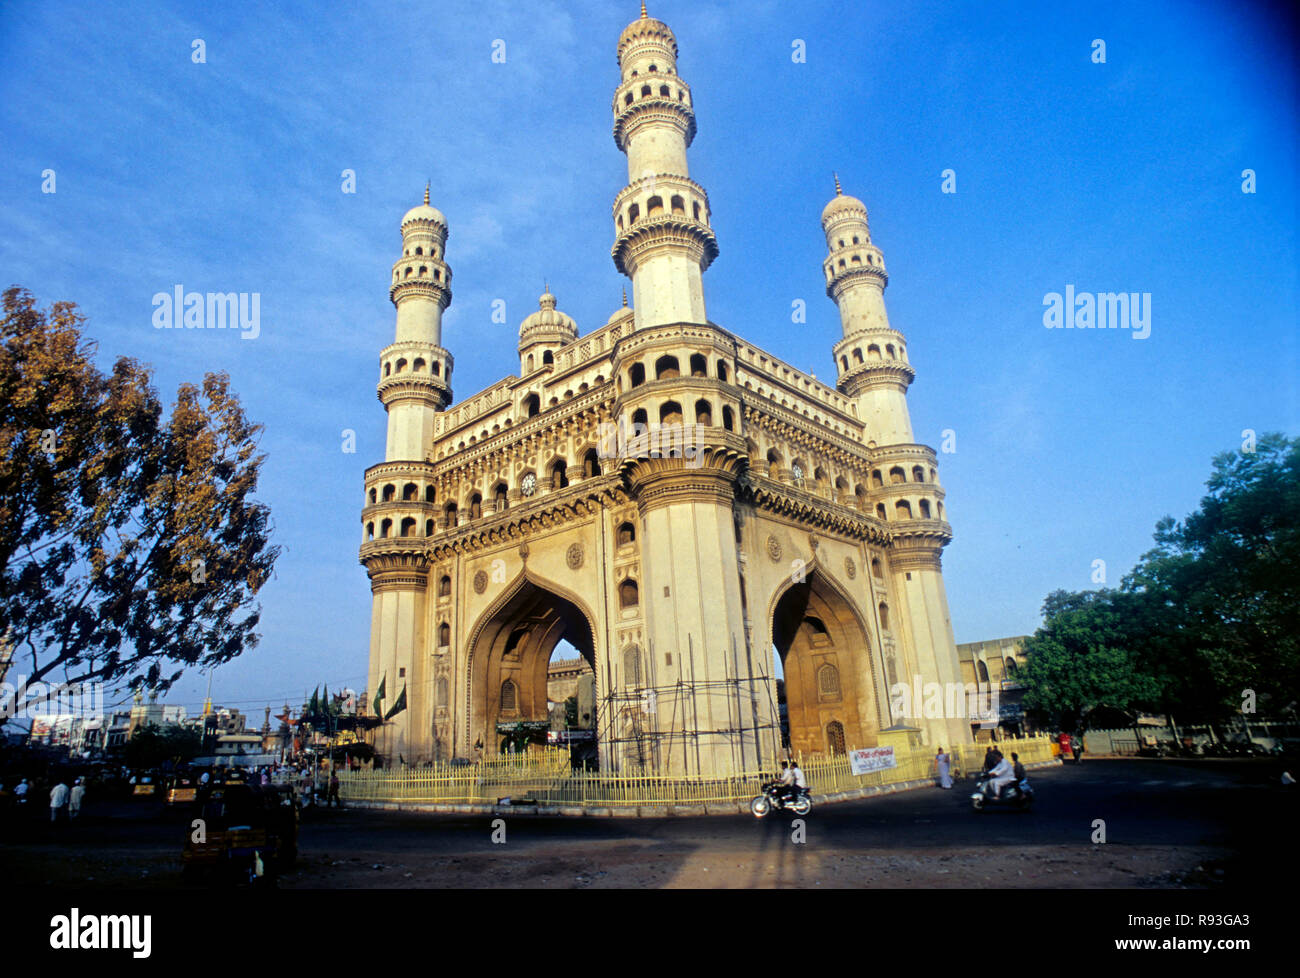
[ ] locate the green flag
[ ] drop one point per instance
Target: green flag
(380, 695)
(397, 706)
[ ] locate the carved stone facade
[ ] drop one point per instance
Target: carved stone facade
(788, 522)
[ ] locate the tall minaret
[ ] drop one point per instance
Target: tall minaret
(663, 239)
(415, 371)
(873, 370)
(414, 385)
(872, 356)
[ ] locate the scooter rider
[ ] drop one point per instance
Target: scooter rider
(1002, 774)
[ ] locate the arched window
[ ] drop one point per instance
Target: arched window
(559, 478)
(410, 492)
(374, 497)
(722, 370)
(532, 404)
(918, 474)
(449, 515)
(639, 417)
(902, 510)
(876, 570)
(626, 534)
(591, 464)
(428, 528)
(664, 92)
(896, 476)
(844, 363)
(835, 739)
(628, 596)
(444, 636)
(876, 479)
(509, 696)
(828, 682)
(501, 498)
(430, 494)
(1010, 667)
(703, 412)
(476, 506)
(547, 357)
(884, 616)
(370, 530)
(873, 351)
(390, 493)
(636, 375)
(386, 529)
(857, 356)
(632, 666)
(678, 205)
(530, 363)
(401, 365)
(670, 412)
(860, 496)
(925, 509)
(699, 366)
(773, 461)
(982, 671)
(667, 366)
(653, 206)
(880, 511)
(633, 214)
(728, 419)
(444, 586)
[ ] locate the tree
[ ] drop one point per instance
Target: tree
(129, 543)
(1223, 586)
(1083, 658)
(151, 746)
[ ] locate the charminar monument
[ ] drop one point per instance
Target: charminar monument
(695, 516)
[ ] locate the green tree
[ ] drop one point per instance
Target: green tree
(1083, 658)
(129, 542)
(1221, 588)
(152, 745)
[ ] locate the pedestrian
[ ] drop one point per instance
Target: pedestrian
(332, 798)
(74, 799)
(20, 792)
(1076, 747)
(941, 764)
(58, 799)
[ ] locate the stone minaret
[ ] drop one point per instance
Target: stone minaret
(414, 385)
(663, 239)
(873, 370)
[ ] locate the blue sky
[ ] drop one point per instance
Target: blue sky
(1123, 176)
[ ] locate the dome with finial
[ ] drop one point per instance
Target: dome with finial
(646, 27)
(622, 313)
(843, 205)
(423, 212)
(548, 322)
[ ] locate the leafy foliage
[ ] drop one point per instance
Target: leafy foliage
(151, 745)
(129, 542)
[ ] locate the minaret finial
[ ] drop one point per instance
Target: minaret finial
(625, 297)
(426, 193)
(643, 13)
(838, 191)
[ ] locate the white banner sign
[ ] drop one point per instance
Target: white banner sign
(872, 759)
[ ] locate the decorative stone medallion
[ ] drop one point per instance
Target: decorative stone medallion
(574, 557)
(850, 568)
(480, 582)
(773, 548)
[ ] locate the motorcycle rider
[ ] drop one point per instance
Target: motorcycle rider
(800, 782)
(1017, 767)
(1002, 774)
(787, 781)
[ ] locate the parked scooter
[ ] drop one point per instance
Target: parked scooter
(774, 796)
(1017, 794)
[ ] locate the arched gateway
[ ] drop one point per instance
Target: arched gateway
(670, 499)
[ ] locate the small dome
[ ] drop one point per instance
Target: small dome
(424, 212)
(619, 315)
(548, 319)
(843, 205)
(646, 26)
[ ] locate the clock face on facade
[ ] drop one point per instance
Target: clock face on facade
(795, 472)
(529, 484)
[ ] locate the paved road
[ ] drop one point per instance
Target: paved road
(1162, 818)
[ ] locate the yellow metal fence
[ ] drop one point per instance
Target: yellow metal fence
(545, 777)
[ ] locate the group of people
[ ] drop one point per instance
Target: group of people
(791, 780)
(1069, 744)
(1001, 772)
(64, 800)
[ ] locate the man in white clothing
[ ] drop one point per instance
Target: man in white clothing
(58, 798)
(74, 799)
(1002, 774)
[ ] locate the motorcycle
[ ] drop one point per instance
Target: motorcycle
(1017, 794)
(773, 796)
